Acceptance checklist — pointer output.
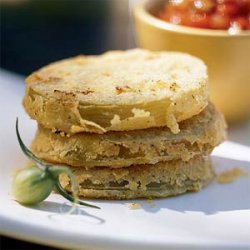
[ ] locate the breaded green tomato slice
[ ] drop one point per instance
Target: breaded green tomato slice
(117, 91)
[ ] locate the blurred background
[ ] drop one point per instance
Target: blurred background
(37, 32)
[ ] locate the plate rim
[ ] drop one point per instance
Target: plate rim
(64, 238)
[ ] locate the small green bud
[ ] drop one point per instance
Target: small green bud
(32, 185)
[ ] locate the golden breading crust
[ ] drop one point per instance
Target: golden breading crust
(150, 181)
(117, 91)
(198, 135)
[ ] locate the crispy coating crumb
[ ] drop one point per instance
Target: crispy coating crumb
(134, 206)
(230, 175)
(121, 89)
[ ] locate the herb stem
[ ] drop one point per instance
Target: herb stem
(71, 198)
(53, 172)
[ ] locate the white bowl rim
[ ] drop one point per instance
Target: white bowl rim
(140, 10)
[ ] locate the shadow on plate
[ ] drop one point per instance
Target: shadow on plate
(212, 199)
(57, 209)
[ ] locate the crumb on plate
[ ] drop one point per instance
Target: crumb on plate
(133, 206)
(230, 175)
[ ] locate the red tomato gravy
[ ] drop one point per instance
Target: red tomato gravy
(208, 14)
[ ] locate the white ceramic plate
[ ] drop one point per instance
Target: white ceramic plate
(217, 217)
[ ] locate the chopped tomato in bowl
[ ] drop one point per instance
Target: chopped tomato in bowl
(208, 14)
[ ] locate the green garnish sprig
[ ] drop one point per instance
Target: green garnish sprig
(34, 184)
